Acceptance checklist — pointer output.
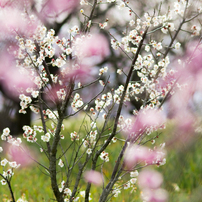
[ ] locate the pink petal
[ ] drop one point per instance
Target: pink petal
(156, 195)
(137, 154)
(92, 50)
(55, 7)
(94, 177)
(16, 153)
(147, 118)
(150, 179)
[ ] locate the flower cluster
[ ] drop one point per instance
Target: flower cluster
(150, 181)
(46, 137)
(104, 156)
(77, 102)
(6, 136)
(9, 173)
(29, 134)
(140, 154)
(74, 136)
(25, 101)
(90, 141)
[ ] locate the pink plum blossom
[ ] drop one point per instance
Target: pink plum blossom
(141, 154)
(189, 72)
(148, 118)
(194, 59)
(154, 195)
(81, 72)
(56, 7)
(94, 177)
(149, 179)
(134, 154)
(91, 49)
(16, 23)
(19, 154)
(182, 106)
(20, 4)
(167, 81)
(13, 80)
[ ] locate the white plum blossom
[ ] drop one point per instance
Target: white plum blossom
(6, 131)
(126, 185)
(133, 180)
(77, 102)
(68, 51)
(104, 156)
(35, 94)
(67, 191)
(3, 182)
(115, 192)
(89, 151)
(13, 164)
(51, 114)
(147, 48)
(121, 5)
(24, 103)
(103, 70)
(134, 174)
(177, 46)
(46, 137)
(9, 173)
(60, 163)
(93, 125)
(34, 109)
(4, 162)
(6, 134)
(131, 23)
(119, 71)
(83, 2)
(74, 136)
(103, 25)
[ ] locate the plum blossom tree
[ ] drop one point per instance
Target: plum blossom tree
(82, 59)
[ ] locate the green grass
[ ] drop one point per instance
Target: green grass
(30, 181)
(183, 167)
